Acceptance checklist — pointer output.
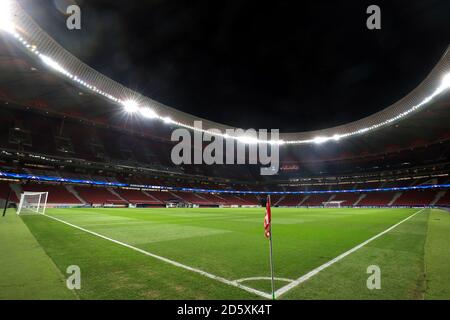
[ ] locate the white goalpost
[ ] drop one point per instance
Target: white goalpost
(32, 202)
(332, 204)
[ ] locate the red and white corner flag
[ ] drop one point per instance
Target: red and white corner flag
(268, 234)
(268, 219)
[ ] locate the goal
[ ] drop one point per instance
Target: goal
(32, 202)
(332, 204)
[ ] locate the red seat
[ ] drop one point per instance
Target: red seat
(57, 194)
(98, 195)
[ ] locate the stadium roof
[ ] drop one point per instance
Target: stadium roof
(38, 72)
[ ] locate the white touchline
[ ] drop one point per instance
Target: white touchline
(312, 273)
(177, 264)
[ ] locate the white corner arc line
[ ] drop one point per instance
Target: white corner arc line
(263, 278)
(312, 273)
(174, 263)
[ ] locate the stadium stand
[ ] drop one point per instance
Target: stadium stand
(42, 141)
(137, 197)
(77, 195)
(214, 199)
(193, 198)
(98, 195)
(377, 199)
(291, 200)
(349, 199)
(5, 190)
(415, 198)
(247, 199)
(316, 200)
(162, 196)
(445, 200)
(57, 194)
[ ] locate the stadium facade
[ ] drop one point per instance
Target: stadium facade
(64, 131)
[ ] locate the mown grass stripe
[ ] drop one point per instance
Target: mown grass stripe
(314, 272)
(177, 264)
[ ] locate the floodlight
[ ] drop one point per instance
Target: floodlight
(320, 140)
(167, 120)
(276, 142)
(6, 15)
(247, 140)
(148, 113)
(446, 81)
(130, 106)
(52, 64)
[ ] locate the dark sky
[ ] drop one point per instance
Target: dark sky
(297, 65)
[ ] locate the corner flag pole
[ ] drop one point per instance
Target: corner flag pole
(271, 264)
(268, 233)
(6, 202)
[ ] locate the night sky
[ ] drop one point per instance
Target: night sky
(297, 66)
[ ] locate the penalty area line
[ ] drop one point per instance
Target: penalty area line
(172, 262)
(314, 272)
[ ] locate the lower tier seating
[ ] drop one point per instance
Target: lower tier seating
(137, 197)
(348, 199)
(415, 198)
(5, 190)
(62, 194)
(57, 194)
(377, 199)
(316, 199)
(445, 200)
(291, 200)
(98, 195)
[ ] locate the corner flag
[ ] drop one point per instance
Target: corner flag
(268, 234)
(267, 219)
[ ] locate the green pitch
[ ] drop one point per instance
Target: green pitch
(223, 254)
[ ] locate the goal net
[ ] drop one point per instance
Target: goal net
(332, 204)
(32, 202)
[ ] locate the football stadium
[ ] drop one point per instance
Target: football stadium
(94, 206)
